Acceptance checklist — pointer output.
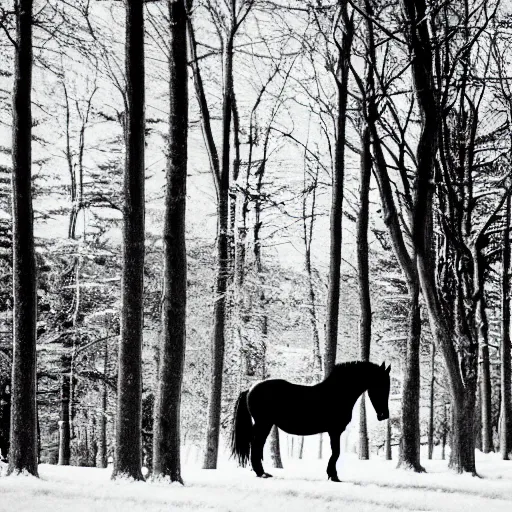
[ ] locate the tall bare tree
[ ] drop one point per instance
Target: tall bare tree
(440, 117)
(23, 435)
(75, 164)
(431, 403)
(363, 273)
(228, 18)
(128, 450)
(505, 370)
(504, 93)
(166, 427)
(344, 25)
(395, 217)
(101, 458)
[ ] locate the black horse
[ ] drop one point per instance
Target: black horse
(306, 410)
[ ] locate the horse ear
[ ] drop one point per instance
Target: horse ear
(383, 366)
(388, 369)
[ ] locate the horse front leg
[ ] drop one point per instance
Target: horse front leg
(260, 434)
(332, 474)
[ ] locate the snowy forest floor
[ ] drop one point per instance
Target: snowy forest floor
(374, 485)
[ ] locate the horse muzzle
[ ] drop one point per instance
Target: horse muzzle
(383, 415)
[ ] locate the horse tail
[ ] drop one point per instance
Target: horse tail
(241, 432)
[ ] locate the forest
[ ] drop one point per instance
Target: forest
(199, 195)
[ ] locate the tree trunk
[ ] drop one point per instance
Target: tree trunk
(308, 239)
(462, 392)
(275, 448)
(388, 441)
(485, 395)
(166, 428)
(485, 370)
(72, 382)
(505, 374)
(101, 460)
(478, 420)
(409, 444)
(223, 267)
(301, 447)
(364, 449)
(445, 431)
(462, 384)
(336, 216)
(217, 360)
(432, 404)
(317, 357)
(5, 418)
(23, 435)
(365, 307)
(93, 442)
(462, 456)
(128, 453)
(64, 433)
(239, 202)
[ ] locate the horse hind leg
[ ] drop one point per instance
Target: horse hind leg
(332, 474)
(260, 434)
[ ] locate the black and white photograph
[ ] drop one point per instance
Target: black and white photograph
(255, 255)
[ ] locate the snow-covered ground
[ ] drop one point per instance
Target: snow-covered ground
(374, 485)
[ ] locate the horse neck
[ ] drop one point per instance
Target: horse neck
(356, 383)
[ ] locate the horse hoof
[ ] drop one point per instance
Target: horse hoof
(265, 475)
(334, 478)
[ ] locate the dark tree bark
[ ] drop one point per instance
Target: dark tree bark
(409, 443)
(505, 374)
(128, 452)
(478, 421)
(5, 418)
(236, 201)
(166, 427)
(431, 403)
(64, 433)
(101, 459)
(76, 174)
(275, 447)
(485, 370)
(462, 388)
(388, 441)
(239, 202)
(223, 268)
(93, 442)
(445, 432)
(365, 306)
(336, 215)
(65, 399)
(238, 12)
(221, 176)
(23, 435)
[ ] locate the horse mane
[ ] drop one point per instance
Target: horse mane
(348, 368)
(354, 364)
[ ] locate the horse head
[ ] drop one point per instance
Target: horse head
(378, 391)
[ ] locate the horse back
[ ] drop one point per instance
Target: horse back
(296, 409)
